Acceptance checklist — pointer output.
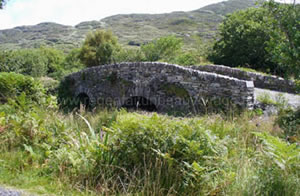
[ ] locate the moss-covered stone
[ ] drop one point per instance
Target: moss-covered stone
(175, 90)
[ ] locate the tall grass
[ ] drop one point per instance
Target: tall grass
(121, 153)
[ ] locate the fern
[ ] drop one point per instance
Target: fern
(286, 156)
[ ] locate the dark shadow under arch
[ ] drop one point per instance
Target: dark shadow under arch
(139, 103)
(83, 99)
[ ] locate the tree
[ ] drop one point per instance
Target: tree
(284, 45)
(98, 48)
(243, 40)
(165, 48)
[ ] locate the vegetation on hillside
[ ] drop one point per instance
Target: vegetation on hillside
(135, 29)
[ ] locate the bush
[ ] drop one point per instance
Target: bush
(120, 153)
(277, 167)
(129, 55)
(50, 85)
(33, 62)
(184, 154)
(13, 85)
(187, 58)
(25, 61)
(164, 48)
(289, 121)
(72, 61)
(98, 48)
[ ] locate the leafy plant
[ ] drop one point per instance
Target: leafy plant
(265, 98)
(284, 44)
(289, 121)
(13, 85)
(243, 37)
(280, 171)
(33, 62)
(98, 48)
(164, 48)
(186, 153)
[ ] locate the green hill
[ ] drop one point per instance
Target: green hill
(131, 29)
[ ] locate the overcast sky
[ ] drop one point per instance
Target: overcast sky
(72, 12)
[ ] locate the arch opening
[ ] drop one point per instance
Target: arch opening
(139, 103)
(83, 100)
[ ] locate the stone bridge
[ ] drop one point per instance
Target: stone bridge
(157, 87)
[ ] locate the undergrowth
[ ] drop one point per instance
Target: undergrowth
(120, 153)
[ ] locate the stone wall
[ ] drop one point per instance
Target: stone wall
(260, 81)
(169, 87)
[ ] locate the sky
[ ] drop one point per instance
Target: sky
(72, 12)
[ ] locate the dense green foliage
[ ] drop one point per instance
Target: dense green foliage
(265, 39)
(28, 61)
(243, 41)
(164, 155)
(98, 48)
(289, 121)
(165, 48)
(39, 62)
(13, 85)
(129, 55)
(284, 45)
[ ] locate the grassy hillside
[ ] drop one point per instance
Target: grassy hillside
(132, 29)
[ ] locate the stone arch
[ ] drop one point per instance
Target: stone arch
(160, 83)
(83, 99)
(85, 93)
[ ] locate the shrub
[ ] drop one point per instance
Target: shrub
(277, 167)
(187, 58)
(164, 48)
(289, 121)
(33, 62)
(72, 61)
(50, 85)
(13, 85)
(55, 59)
(98, 48)
(266, 98)
(129, 55)
(183, 154)
(120, 153)
(25, 61)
